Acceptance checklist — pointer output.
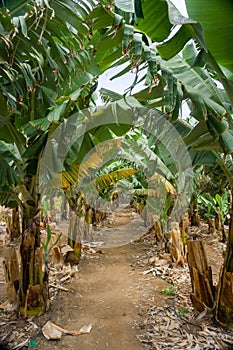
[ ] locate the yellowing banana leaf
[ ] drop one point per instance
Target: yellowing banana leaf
(159, 178)
(106, 180)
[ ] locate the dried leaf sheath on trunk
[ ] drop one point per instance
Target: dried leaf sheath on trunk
(11, 272)
(224, 297)
(201, 275)
(33, 280)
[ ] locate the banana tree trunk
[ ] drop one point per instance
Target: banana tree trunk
(175, 244)
(11, 271)
(218, 219)
(15, 224)
(64, 215)
(201, 275)
(219, 224)
(74, 235)
(33, 296)
(194, 216)
(224, 297)
(211, 226)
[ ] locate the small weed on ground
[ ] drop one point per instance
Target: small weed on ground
(182, 311)
(169, 291)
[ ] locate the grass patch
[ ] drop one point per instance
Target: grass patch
(182, 311)
(168, 291)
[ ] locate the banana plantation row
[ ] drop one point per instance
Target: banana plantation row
(55, 141)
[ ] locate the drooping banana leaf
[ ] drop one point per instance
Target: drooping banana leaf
(217, 21)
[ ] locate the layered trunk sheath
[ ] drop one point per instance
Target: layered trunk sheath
(224, 297)
(74, 237)
(34, 296)
(202, 295)
(11, 271)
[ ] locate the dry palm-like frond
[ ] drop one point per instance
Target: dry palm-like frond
(94, 160)
(107, 180)
(76, 173)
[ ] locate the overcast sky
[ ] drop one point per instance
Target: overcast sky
(180, 4)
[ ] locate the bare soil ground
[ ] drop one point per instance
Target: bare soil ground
(110, 294)
(117, 290)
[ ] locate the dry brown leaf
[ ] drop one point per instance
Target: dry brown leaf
(3, 306)
(57, 286)
(82, 330)
(51, 332)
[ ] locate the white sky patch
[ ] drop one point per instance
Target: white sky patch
(180, 5)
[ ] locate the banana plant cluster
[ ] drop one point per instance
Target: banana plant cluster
(51, 54)
(40, 60)
(201, 76)
(45, 82)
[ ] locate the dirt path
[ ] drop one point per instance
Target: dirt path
(109, 291)
(111, 294)
(117, 290)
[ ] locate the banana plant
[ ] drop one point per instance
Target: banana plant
(40, 61)
(207, 206)
(49, 69)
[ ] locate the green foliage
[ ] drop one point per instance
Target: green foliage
(208, 205)
(223, 204)
(40, 51)
(170, 291)
(182, 311)
(45, 205)
(216, 27)
(42, 90)
(45, 245)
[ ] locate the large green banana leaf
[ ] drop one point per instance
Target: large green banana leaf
(184, 81)
(216, 18)
(48, 79)
(201, 27)
(45, 60)
(40, 60)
